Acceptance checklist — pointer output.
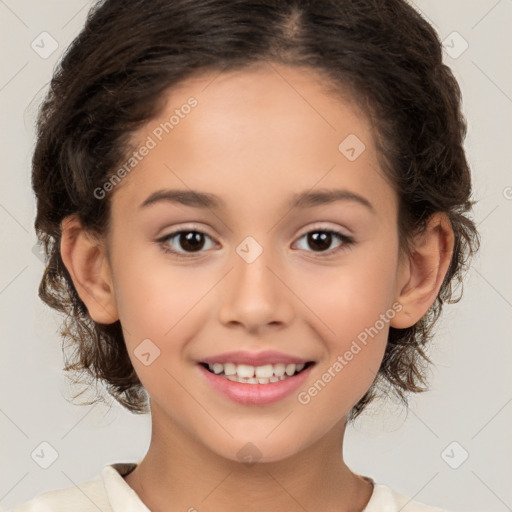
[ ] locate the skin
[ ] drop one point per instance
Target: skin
(256, 137)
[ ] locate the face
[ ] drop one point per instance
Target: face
(250, 271)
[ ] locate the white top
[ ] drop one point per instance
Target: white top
(109, 492)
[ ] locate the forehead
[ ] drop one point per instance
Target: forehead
(266, 133)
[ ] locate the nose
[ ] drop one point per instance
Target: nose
(255, 293)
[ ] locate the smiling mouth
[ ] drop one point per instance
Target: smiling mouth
(265, 374)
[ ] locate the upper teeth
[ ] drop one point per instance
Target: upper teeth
(262, 372)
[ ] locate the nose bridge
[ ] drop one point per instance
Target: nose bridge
(254, 281)
(253, 294)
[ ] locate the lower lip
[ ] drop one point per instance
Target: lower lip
(255, 394)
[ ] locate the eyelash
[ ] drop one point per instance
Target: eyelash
(347, 242)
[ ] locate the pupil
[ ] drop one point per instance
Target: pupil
(194, 240)
(322, 239)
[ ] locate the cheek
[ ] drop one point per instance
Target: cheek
(161, 309)
(350, 298)
(352, 309)
(353, 322)
(152, 295)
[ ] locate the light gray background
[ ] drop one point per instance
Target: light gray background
(470, 400)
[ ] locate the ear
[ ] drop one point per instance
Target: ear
(422, 273)
(85, 259)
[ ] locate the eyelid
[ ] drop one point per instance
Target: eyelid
(188, 227)
(323, 226)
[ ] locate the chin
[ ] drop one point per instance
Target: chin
(250, 451)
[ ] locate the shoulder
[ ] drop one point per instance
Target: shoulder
(386, 499)
(88, 496)
(101, 493)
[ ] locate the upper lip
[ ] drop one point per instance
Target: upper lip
(254, 358)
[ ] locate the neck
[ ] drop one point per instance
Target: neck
(180, 473)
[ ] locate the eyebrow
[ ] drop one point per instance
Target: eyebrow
(205, 200)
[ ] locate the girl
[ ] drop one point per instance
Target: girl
(253, 213)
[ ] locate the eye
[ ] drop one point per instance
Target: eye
(190, 240)
(321, 239)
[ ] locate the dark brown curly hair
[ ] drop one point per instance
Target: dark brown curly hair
(113, 79)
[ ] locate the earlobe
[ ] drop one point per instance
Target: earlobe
(422, 275)
(85, 259)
